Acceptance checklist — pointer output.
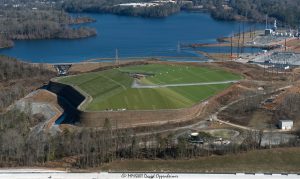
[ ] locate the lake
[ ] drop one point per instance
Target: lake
(132, 36)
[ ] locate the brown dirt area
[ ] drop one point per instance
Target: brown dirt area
(219, 56)
(84, 67)
(252, 72)
(293, 45)
(45, 96)
(237, 40)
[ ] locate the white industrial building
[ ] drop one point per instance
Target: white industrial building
(286, 124)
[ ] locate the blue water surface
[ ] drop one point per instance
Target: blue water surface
(132, 36)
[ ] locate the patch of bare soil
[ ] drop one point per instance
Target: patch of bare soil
(47, 97)
(97, 66)
(253, 72)
(293, 45)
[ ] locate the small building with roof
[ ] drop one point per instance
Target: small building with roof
(285, 124)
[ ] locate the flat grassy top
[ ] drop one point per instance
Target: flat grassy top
(176, 74)
(274, 160)
(111, 89)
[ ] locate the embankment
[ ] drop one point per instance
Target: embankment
(70, 100)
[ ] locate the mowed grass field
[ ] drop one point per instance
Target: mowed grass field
(111, 89)
(174, 74)
(281, 160)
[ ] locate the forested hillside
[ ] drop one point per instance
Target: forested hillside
(17, 79)
(285, 11)
(111, 6)
(20, 24)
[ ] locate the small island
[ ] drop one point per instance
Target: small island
(24, 24)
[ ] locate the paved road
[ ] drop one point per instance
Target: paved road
(44, 174)
(135, 84)
(57, 174)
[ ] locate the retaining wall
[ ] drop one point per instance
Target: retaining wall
(69, 99)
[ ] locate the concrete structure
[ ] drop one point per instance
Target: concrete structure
(268, 31)
(286, 124)
(195, 138)
(62, 69)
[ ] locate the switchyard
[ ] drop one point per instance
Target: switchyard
(279, 59)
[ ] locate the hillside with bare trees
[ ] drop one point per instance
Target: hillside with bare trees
(18, 79)
(285, 11)
(23, 24)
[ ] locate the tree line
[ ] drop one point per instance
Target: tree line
(93, 148)
(111, 6)
(285, 11)
(20, 24)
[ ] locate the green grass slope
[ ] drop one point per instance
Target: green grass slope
(111, 89)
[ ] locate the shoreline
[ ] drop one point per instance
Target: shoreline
(12, 42)
(87, 19)
(6, 43)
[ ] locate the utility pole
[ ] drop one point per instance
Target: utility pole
(270, 136)
(231, 55)
(264, 69)
(266, 21)
(243, 37)
(277, 68)
(284, 44)
(178, 47)
(244, 32)
(117, 57)
(238, 49)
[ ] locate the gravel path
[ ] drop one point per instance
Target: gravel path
(136, 84)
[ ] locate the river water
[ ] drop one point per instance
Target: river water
(133, 37)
